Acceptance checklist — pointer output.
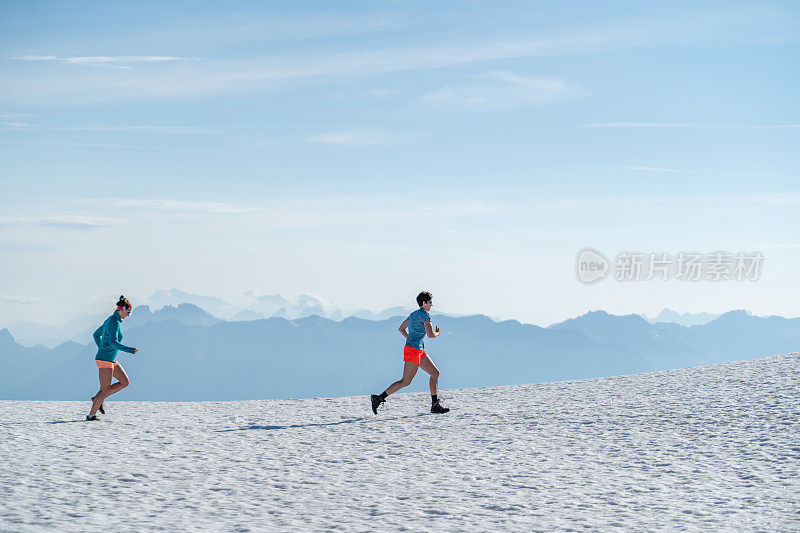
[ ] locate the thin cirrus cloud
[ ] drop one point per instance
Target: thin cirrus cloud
(772, 245)
(170, 205)
(686, 125)
(501, 90)
(77, 60)
(215, 77)
(642, 168)
(5, 298)
(130, 146)
(708, 172)
(300, 213)
(80, 222)
(668, 204)
(353, 138)
(178, 130)
(646, 125)
(254, 28)
(774, 126)
(13, 120)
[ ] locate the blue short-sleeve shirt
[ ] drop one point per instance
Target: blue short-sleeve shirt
(416, 328)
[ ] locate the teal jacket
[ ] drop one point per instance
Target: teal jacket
(107, 338)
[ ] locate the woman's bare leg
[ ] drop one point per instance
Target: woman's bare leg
(122, 380)
(108, 389)
(409, 371)
(105, 384)
(427, 365)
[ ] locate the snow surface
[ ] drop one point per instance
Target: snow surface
(714, 447)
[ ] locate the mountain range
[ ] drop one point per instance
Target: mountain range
(684, 319)
(188, 354)
(31, 333)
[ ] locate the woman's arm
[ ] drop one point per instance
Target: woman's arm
(98, 334)
(403, 327)
(429, 330)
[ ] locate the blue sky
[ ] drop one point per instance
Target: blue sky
(364, 151)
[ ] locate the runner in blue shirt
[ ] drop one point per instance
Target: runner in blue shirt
(414, 329)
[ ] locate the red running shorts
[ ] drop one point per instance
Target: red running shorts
(413, 355)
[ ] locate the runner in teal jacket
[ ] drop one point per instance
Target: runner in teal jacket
(108, 337)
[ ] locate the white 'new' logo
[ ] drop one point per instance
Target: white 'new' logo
(592, 266)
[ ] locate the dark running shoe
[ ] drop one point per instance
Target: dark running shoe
(101, 408)
(376, 402)
(437, 408)
(92, 418)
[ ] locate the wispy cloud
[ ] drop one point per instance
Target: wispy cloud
(254, 28)
(170, 205)
(13, 116)
(646, 125)
(381, 94)
(129, 146)
(62, 221)
(666, 204)
(22, 246)
(353, 138)
(178, 130)
(775, 245)
(708, 172)
(188, 77)
(686, 125)
(104, 59)
(668, 170)
(19, 299)
(14, 120)
(322, 212)
(774, 126)
(501, 90)
(78, 221)
(341, 211)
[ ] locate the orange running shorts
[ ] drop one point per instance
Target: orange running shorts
(413, 355)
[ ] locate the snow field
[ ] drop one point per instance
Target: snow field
(715, 447)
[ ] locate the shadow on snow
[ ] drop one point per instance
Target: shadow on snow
(320, 424)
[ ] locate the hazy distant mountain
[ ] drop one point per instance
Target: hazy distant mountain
(32, 333)
(276, 305)
(20, 364)
(381, 315)
(660, 348)
(174, 297)
(184, 314)
(270, 305)
(741, 333)
(29, 333)
(314, 356)
(245, 315)
(684, 319)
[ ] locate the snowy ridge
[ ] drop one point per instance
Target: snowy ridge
(713, 447)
